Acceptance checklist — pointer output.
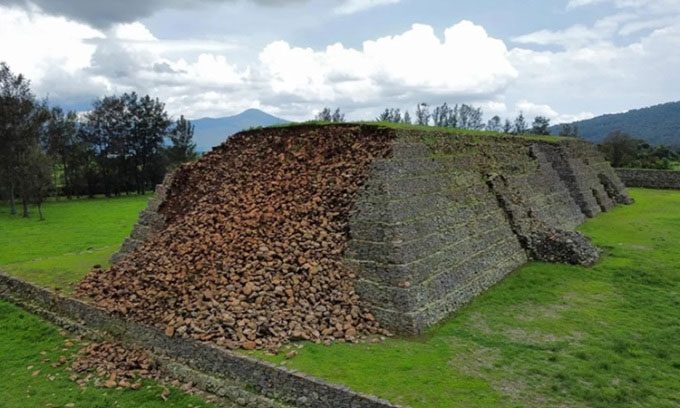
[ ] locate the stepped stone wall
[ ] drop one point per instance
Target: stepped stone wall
(446, 216)
(646, 178)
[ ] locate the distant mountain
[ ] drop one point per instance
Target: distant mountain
(657, 125)
(211, 132)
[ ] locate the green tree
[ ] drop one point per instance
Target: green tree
(61, 143)
(569, 130)
(540, 126)
(620, 148)
(507, 126)
(36, 179)
(441, 115)
(423, 114)
(125, 134)
(520, 126)
(494, 124)
(338, 116)
(407, 118)
(325, 115)
(22, 123)
(183, 148)
(149, 125)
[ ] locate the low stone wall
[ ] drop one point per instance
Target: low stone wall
(665, 179)
(269, 380)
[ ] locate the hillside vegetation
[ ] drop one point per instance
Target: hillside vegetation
(658, 124)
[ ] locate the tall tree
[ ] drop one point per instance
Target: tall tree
(423, 114)
(182, 148)
(22, 122)
(507, 126)
(35, 182)
(61, 145)
(407, 118)
(470, 117)
(390, 115)
(540, 126)
(569, 130)
(494, 124)
(520, 126)
(325, 115)
(149, 126)
(338, 116)
(441, 115)
(126, 136)
(620, 148)
(384, 116)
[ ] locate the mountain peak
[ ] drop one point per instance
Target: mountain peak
(211, 132)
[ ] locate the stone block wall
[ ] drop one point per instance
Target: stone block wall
(150, 220)
(445, 217)
(665, 179)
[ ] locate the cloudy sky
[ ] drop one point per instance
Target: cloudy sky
(567, 59)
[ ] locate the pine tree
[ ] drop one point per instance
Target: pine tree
(520, 126)
(325, 115)
(407, 118)
(338, 116)
(183, 148)
(507, 126)
(422, 114)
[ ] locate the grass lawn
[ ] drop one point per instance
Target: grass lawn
(548, 335)
(29, 347)
(77, 234)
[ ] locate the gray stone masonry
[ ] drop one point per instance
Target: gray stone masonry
(445, 217)
(150, 221)
(666, 179)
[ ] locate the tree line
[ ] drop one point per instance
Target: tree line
(461, 116)
(623, 150)
(124, 144)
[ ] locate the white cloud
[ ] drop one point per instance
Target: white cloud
(467, 62)
(657, 6)
(35, 43)
(531, 110)
(621, 61)
(356, 6)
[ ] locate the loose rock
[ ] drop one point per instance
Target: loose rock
(251, 253)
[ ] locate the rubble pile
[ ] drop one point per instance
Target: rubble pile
(114, 366)
(251, 252)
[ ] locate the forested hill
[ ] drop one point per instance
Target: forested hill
(659, 124)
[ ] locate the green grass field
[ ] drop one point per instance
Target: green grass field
(548, 335)
(28, 349)
(77, 234)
